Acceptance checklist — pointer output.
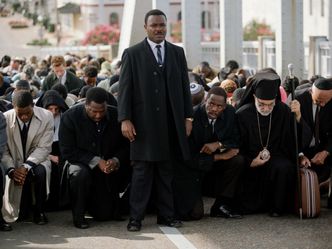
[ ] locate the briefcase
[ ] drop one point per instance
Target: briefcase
(310, 193)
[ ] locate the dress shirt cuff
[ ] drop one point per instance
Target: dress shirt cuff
(94, 162)
(27, 166)
(9, 171)
(117, 161)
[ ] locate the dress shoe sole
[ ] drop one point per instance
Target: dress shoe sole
(213, 215)
(133, 228)
(134, 225)
(83, 226)
(6, 228)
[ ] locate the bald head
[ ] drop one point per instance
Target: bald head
(321, 97)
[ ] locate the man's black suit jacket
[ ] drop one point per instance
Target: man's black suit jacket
(225, 132)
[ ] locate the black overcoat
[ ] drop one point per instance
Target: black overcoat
(307, 124)
(78, 144)
(152, 96)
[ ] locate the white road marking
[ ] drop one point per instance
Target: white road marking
(177, 238)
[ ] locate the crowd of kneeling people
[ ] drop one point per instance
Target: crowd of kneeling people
(242, 142)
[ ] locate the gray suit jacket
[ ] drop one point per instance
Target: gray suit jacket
(39, 141)
(39, 145)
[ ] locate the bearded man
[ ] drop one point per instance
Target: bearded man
(267, 145)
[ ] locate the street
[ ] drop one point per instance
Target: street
(253, 231)
(13, 42)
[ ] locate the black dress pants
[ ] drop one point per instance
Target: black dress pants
(93, 191)
(34, 185)
(228, 174)
(79, 189)
(144, 173)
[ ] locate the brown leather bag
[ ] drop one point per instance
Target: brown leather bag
(310, 193)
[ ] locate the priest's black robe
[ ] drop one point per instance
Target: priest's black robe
(267, 187)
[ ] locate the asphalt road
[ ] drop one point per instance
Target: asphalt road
(254, 231)
(13, 42)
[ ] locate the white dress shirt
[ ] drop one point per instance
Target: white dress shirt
(154, 49)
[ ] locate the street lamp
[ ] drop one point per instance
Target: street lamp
(40, 31)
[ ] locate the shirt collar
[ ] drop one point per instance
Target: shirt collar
(153, 44)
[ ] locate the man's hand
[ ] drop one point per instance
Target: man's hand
(304, 161)
(104, 166)
(189, 126)
(128, 130)
(54, 159)
(112, 165)
(258, 161)
(19, 174)
(295, 107)
(226, 155)
(210, 148)
(320, 157)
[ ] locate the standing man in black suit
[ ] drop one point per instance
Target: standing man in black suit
(155, 112)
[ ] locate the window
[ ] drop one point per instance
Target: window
(114, 19)
(179, 16)
(206, 20)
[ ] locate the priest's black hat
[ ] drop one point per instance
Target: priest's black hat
(323, 84)
(266, 85)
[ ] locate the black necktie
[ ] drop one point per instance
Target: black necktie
(212, 125)
(317, 127)
(24, 136)
(160, 58)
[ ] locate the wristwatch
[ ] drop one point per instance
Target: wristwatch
(221, 147)
(190, 119)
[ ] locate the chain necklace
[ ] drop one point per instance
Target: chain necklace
(265, 153)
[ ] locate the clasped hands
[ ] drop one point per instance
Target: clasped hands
(318, 159)
(18, 175)
(108, 166)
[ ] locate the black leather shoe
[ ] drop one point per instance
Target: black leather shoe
(81, 223)
(4, 226)
(40, 219)
(134, 225)
(274, 214)
(225, 212)
(170, 222)
(329, 202)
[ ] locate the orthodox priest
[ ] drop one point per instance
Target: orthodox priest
(267, 145)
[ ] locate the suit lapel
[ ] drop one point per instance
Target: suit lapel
(15, 130)
(205, 123)
(33, 128)
(153, 58)
(311, 114)
(168, 59)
